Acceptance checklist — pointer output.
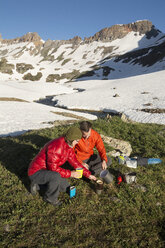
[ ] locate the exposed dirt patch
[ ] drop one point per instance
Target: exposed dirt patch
(61, 123)
(70, 115)
(22, 67)
(147, 104)
(5, 67)
(29, 76)
(153, 111)
(144, 92)
(11, 99)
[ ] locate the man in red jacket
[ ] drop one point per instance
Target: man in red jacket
(84, 149)
(45, 169)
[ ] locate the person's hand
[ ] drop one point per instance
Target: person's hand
(91, 177)
(75, 174)
(104, 165)
(86, 166)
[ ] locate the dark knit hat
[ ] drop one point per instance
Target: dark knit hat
(73, 133)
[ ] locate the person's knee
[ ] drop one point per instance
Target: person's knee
(54, 176)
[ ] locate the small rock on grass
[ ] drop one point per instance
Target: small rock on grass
(139, 186)
(114, 199)
(7, 228)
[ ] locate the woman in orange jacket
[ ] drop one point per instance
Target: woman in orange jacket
(84, 149)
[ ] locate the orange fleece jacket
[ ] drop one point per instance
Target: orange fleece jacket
(84, 149)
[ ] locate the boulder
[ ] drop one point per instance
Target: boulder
(121, 146)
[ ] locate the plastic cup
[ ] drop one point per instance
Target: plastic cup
(80, 170)
(106, 176)
(99, 187)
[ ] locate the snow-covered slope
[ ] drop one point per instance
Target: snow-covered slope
(119, 69)
(124, 53)
(137, 97)
(18, 112)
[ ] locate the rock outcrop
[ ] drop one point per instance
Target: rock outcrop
(121, 146)
(5, 67)
(75, 41)
(119, 31)
(29, 37)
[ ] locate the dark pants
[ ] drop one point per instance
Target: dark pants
(95, 164)
(53, 181)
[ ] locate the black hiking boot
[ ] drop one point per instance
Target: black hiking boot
(55, 203)
(34, 188)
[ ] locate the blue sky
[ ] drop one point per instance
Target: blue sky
(64, 19)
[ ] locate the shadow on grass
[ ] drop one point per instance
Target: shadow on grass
(162, 233)
(17, 153)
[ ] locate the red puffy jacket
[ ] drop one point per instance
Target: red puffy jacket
(53, 155)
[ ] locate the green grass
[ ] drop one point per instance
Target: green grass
(123, 216)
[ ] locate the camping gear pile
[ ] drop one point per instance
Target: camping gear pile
(134, 163)
(129, 178)
(137, 161)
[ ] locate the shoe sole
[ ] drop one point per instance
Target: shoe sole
(34, 189)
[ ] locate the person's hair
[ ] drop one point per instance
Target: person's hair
(85, 126)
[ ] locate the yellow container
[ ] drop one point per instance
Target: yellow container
(80, 170)
(121, 160)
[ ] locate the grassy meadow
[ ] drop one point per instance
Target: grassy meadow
(129, 215)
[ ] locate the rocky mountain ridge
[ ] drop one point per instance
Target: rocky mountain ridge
(119, 31)
(99, 56)
(106, 34)
(29, 37)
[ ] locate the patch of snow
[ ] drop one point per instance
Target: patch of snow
(139, 92)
